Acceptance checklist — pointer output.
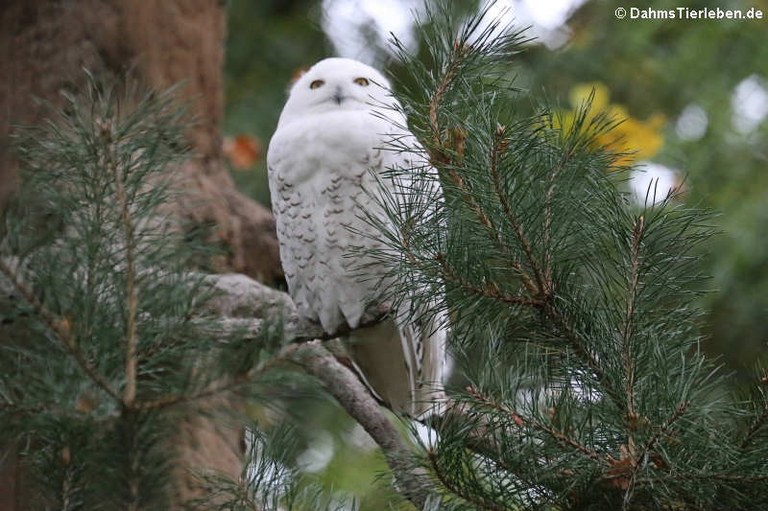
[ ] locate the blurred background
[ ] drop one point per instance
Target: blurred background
(693, 93)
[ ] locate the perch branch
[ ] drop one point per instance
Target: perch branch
(357, 401)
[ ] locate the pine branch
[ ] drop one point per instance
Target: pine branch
(437, 153)
(106, 133)
(474, 500)
(759, 422)
(217, 389)
(638, 459)
(61, 330)
(627, 353)
(535, 287)
(488, 290)
(68, 490)
(705, 476)
(338, 380)
(529, 422)
(756, 425)
(576, 341)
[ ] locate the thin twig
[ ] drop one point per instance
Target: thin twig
(574, 339)
(131, 289)
(548, 217)
(457, 490)
(649, 446)
(488, 291)
(547, 238)
(540, 287)
(434, 105)
(239, 381)
(667, 477)
(297, 333)
(758, 423)
(627, 331)
(664, 429)
(523, 421)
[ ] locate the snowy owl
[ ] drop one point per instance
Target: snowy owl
(324, 158)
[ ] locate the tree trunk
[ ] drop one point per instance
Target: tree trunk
(44, 47)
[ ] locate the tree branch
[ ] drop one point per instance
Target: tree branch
(475, 500)
(756, 425)
(131, 289)
(491, 290)
(244, 298)
(530, 422)
(352, 395)
(240, 296)
(633, 289)
(537, 286)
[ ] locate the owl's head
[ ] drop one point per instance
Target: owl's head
(337, 84)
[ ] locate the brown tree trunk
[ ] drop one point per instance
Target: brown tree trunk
(44, 46)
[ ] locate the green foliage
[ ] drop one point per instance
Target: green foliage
(574, 312)
(648, 67)
(272, 480)
(106, 339)
(580, 381)
(663, 67)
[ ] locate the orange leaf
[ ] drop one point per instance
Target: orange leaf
(242, 151)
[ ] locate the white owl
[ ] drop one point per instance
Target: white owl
(330, 144)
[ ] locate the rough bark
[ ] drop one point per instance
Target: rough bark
(46, 44)
(44, 47)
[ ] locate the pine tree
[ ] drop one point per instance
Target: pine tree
(573, 310)
(574, 326)
(108, 342)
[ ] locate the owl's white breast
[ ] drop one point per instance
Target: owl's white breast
(331, 140)
(320, 170)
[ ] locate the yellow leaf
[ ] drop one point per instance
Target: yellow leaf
(580, 94)
(639, 139)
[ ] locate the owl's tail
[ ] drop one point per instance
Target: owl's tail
(403, 366)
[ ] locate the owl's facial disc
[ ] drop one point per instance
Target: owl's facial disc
(340, 89)
(334, 85)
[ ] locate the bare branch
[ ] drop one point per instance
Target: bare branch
(352, 395)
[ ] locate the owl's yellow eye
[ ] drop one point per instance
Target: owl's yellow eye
(363, 82)
(317, 83)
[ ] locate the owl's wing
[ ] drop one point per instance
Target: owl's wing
(295, 225)
(427, 338)
(422, 316)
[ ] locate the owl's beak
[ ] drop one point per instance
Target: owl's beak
(338, 97)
